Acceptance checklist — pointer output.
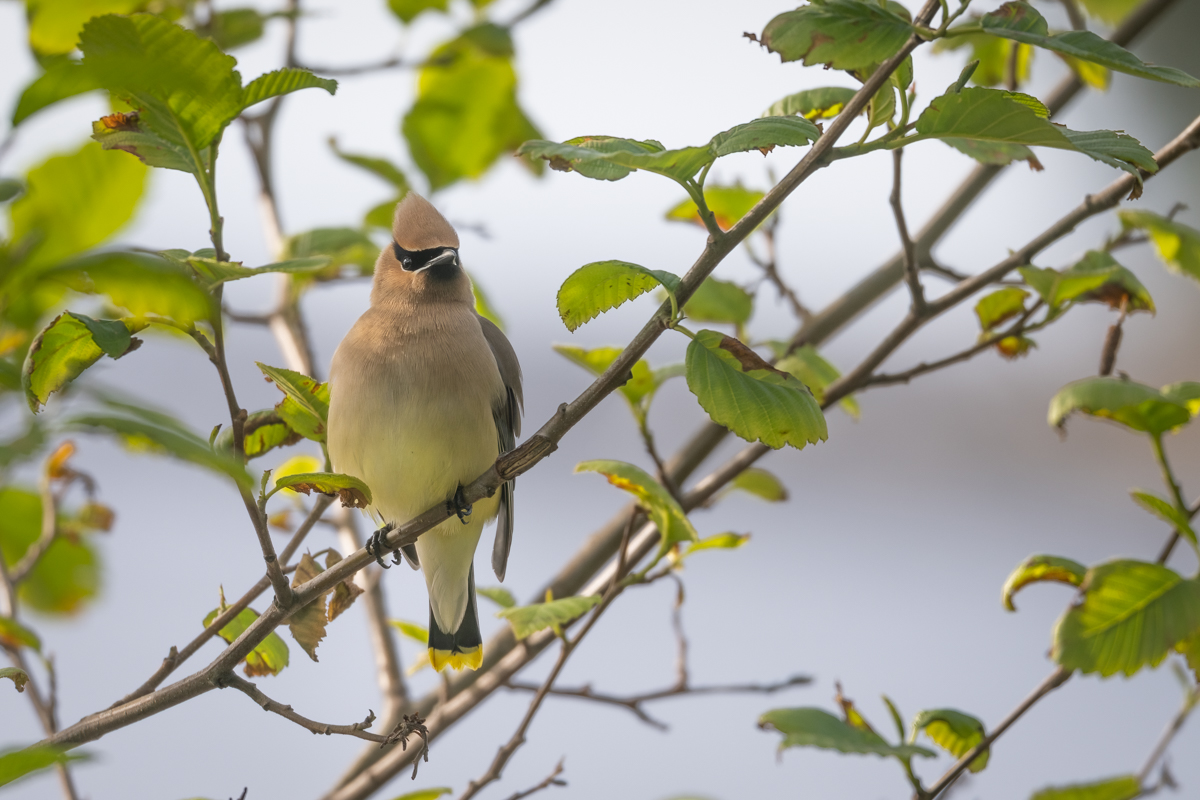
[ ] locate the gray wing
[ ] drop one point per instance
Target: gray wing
(507, 414)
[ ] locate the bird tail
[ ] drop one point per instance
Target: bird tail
(464, 647)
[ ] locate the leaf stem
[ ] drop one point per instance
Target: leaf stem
(1168, 475)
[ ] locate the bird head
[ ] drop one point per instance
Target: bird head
(421, 264)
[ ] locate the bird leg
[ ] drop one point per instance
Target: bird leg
(459, 506)
(377, 547)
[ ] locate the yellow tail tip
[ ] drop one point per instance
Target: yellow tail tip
(456, 659)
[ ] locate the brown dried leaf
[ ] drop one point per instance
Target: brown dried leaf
(97, 517)
(344, 595)
(308, 624)
(749, 359)
(281, 520)
(353, 498)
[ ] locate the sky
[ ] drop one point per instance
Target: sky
(882, 571)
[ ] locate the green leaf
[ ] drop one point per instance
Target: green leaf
(842, 34)
(750, 397)
(1097, 278)
(721, 541)
(728, 204)
(1178, 245)
(143, 430)
(213, 273)
(498, 595)
(1124, 787)
(184, 88)
(54, 25)
(603, 285)
(1132, 615)
(993, 126)
(15, 764)
(528, 620)
(814, 727)
(662, 509)
(466, 114)
(74, 202)
(1186, 393)
(263, 431)
(15, 635)
(353, 492)
(268, 657)
(611, 158)
(1000, 306)
(67, 575)
(953, 731)
(761, 483)
(66, 347)
(1041, 568)
(344, 247)
(235, 27)
(824, 103)
(10, 188)
(1111, 12)
(379, 167)
(281, 82)
(719, 302)
(407, 10)
(412, 630)
(994, 55)
(18, 676)
(1021, 22)
(1167, 513)
(306, 406)
(1133, 405)
(61, 81)
(144, 285)
(811, 369)
(641, 383)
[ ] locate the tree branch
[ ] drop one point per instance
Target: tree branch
(551, 780)
(251, 690)
(1173, 727)
(911, 271)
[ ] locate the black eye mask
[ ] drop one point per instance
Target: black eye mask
(416, 260)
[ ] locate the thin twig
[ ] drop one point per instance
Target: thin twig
(886, 379)
(251, 690)
(770, 267)
(50, 531)
(1164, 741)
(1112, 340)
(635, 702)
(911, 272)
(551, 780)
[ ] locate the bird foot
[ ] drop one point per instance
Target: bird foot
(376, 546)
(459, 506)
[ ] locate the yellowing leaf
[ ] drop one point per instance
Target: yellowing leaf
(498, 595)
(15, 635)
(719, 302)
(662, 509)
(18, 676)
(727, 203)
(814, 727)
(66, 347)
(269, 657)
(528, 620)
(412, 630)
(1000, 306)
(1133, 405)
(761, 483)
(811, 369)
(1041, 568)
(721, 541)
(955, 732)
(603, 285)
(1178, 245)
(1124, 787)
(352, 492)
(824, 103)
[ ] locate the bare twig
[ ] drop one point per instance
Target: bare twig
(911, 271)
(1017, 329)
(1164, 741)
(1112, 340)
(21, 570)
(770, 267)
(635, 703)
(251, 690)
(1078, 22)
(551, 780)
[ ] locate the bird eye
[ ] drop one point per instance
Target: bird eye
(407, 262)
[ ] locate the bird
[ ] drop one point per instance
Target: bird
(425, 394)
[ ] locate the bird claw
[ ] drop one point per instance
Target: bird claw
(376, 546)
(459, 506)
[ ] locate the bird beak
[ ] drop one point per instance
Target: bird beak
(446, 255)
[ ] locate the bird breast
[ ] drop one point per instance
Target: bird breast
(410, 410)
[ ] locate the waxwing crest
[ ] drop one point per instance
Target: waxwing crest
(417, 225)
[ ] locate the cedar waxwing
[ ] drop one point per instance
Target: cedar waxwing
(424, 395)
